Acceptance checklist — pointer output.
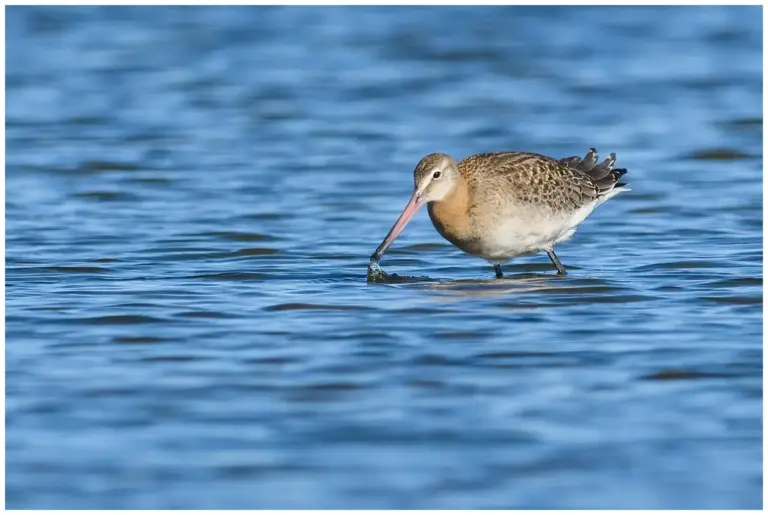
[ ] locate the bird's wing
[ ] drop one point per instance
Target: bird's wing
(528, 178)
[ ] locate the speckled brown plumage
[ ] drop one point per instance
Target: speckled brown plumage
(530, 178)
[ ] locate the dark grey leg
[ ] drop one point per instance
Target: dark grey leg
(497, 269)
(556, 262)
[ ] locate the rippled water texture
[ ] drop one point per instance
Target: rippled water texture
(192, 198)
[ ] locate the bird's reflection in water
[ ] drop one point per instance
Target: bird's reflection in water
(480, 287)
(509, 285)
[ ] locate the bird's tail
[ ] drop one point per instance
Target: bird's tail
(604, 175)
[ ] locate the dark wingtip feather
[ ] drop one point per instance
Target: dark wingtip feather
(589, 161)
(603, 169)
(611, 180)
(603, 175)
(571, 162)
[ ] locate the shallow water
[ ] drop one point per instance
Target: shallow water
(192, 198)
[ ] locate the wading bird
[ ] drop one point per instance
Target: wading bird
(500, 205)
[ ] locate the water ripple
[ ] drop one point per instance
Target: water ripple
(192, 197)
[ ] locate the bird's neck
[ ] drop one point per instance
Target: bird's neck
(450, 215)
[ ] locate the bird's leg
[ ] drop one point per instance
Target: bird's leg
(556, 262)
(497, 269)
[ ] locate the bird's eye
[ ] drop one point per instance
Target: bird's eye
(437, 174)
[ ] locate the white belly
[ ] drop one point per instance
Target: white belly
(528, 233)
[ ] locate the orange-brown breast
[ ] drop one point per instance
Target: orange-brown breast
(451, 218)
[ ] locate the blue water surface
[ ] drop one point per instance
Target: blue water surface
(192, 195)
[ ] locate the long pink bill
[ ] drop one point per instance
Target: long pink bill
(410, 209)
